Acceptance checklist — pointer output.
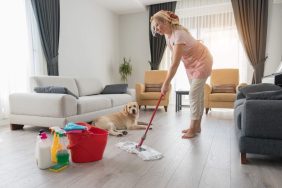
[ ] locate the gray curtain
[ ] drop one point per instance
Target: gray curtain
(158, 44)
(251, 21)
(47, 13)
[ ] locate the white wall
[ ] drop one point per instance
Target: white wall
(134, 43)
(274, 38)
(89, 40)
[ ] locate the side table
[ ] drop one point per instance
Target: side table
(178, 101)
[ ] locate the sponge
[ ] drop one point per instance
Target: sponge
(58, 167)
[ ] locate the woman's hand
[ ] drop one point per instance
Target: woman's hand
(165, 88)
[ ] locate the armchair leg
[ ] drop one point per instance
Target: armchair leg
(16, 127)
(244, 158)
(207, 110)
(139, 107)
(145, 107)
(165, 107)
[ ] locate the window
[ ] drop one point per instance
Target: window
(17, 61)
(213, 23)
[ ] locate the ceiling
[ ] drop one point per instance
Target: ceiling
(128, 6)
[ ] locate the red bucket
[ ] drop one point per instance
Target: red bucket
(87, 146)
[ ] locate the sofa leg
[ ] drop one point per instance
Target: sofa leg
(207, 110)
(16, 127)
(145, 107)
(165, 107)
(244, 158)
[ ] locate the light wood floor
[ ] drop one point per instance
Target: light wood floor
(210, 160)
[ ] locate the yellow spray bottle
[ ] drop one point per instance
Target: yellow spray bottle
(56, 146)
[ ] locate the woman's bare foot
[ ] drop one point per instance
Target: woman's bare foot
(198, 130)
(189, 134)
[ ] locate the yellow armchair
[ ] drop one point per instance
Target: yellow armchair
(146, 98)
(221, 77)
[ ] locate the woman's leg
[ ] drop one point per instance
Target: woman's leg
(196, 96)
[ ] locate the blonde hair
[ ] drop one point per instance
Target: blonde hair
(166, 16)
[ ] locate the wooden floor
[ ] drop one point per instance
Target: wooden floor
(210, 160)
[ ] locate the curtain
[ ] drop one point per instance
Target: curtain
(251, 21)
(212, 22)
(48, 17)
(158, 43)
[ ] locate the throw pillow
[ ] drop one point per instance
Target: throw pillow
(153, 87)
(258, 88)
(225, 88)
(265, 95)
(115, 89)
(54, 89)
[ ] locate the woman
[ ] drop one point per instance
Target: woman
(196, 58)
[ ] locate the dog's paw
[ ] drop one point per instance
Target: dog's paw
(120, 135)
(124, 132)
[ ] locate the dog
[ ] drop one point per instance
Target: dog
(117, 123)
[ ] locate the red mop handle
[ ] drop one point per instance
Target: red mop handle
(144, 136)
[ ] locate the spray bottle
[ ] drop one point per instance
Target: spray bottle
(59, 152)
(56, 145)
(63, 154)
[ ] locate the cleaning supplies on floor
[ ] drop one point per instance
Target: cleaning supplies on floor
(59, 151)
(89, 145)
(73, 126)
(43, 151)
(56, 146)
(62, 155)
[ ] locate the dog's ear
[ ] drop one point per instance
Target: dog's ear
(125, 109)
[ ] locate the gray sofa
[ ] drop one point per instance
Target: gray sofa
(258, 120)
(49, 109)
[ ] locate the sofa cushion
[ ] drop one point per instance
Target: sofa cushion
(60, 81)
(225, 88)
(88, 86)
(54, 89)
(153, 87)
(118, 99)
(150, 95)
(258, 88)
(115, 89)
(222, 97)
(265, 95)
(42, 105)
(93, 103)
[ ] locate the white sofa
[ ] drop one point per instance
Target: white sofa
(48, 109)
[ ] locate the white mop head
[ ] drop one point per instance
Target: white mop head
(146, 153)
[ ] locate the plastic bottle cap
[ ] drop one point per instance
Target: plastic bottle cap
(43, 135)
(61, 134)
(41, 131)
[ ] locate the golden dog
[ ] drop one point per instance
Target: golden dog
(117, 123)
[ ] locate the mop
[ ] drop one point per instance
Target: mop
(144, 152)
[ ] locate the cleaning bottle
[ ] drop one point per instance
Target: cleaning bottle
(43, 152)
(56, 146)
(38, 139)
(63, 154)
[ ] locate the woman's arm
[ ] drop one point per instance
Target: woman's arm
(177, 52)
